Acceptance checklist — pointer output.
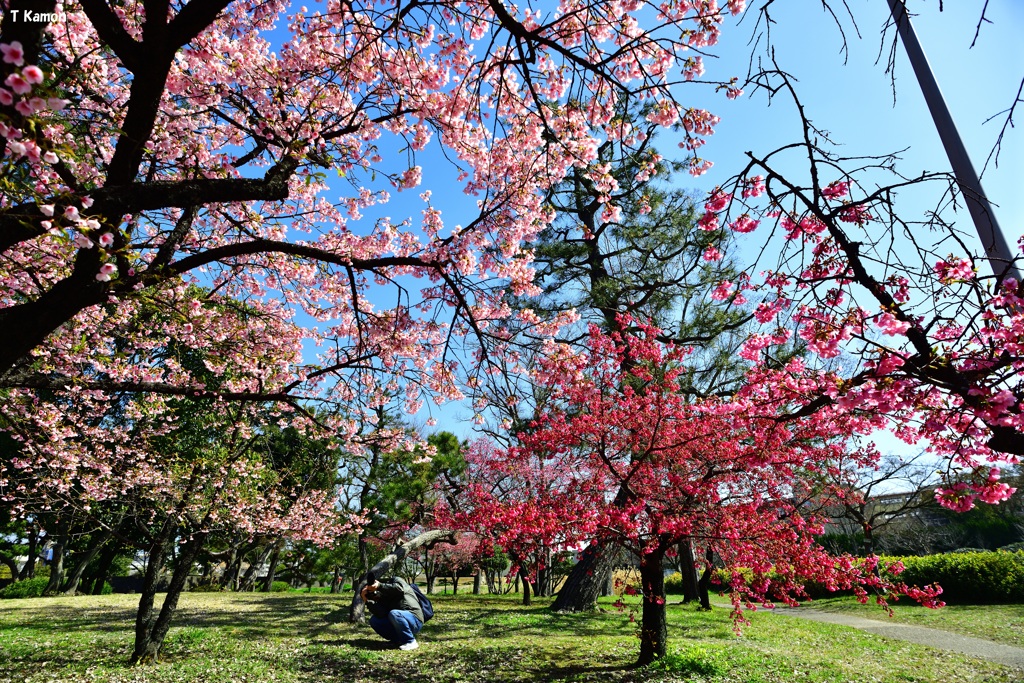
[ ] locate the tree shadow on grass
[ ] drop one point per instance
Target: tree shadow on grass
(444, 665)
(362, 644)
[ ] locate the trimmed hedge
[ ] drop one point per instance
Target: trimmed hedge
(968, 577)
(279, 587)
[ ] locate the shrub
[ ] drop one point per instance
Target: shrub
(206, 588)
(968, 577)
(29, 588)
(674, 584)
(279, 587)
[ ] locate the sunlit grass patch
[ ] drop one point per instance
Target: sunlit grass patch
(293, 638)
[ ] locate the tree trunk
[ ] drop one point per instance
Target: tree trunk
(687, 570)
(97, 578)
(249, 579)
(29, 570)
(455, 583)
(541, 587)
(704, 585)
(272, 570)
(608, 586)
(583, 586)
(144, 616)
(653, 626)
(337, 580)
(477, 581)
(71, 584)
(868, 546)
(149, 636)
(56, 566)
(357, 612)
(229, 580)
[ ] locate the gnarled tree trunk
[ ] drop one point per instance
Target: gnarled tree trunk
(587, 579)
(357, 612)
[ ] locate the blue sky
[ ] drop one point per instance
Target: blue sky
(854, 101)
(851, 96)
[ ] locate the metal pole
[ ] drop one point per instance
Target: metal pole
(1000, 257)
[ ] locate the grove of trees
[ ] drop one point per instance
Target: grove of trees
(211, 326)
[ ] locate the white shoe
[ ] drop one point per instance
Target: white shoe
(411, 645)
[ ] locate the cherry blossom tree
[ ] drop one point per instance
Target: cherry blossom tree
(184, 141)
(164, 181)
(532, 509)
(659, 466)
(935, 342)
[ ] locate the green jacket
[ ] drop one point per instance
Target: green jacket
(392, 594)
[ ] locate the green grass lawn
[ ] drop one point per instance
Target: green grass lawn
(260, 638)
(1001, 623)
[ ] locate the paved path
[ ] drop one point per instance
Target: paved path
(943, 640)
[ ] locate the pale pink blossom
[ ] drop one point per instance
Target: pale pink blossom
(33, 74)
(6, 98)
(18, 84)
(107, 271)
(106, 239)
(611, 213)
(13, 53)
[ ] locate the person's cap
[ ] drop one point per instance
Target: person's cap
(369, 578)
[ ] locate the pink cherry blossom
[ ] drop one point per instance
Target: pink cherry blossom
(890, 325)
(744, 224)
(32, 74)
(722, 291)
(18, 84)
(13, 53)
(836, 190)
(712, 254)
(107, 271)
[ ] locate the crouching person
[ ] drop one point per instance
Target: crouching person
(394, 609)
